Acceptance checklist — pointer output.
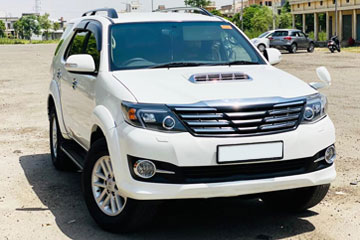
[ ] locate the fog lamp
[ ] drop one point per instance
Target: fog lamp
(330, 154)
(144, 168)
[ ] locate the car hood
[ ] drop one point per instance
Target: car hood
(172, 86)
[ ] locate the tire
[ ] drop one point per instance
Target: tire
(339, 49)
(261, 47)
(332, 50)
(296, 200)
(311, 47)
(293, 48)
(128, 213)
(59, 159)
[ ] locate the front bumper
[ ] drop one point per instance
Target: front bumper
(185, 150)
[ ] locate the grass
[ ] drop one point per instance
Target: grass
(351, 49)
(22, 41)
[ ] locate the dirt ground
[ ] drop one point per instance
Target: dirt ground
(37, 202)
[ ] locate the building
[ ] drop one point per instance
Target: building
(211, 6)
(228, 10)
(348, 16)
(9, 25)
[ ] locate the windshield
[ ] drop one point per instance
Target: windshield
(175, 44)
(264, 34)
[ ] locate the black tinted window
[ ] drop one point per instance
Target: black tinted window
(91, 49)
(280, 33)
(77, 44)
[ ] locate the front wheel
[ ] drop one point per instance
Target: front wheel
(296, 199)
(110, 209)
(261, 47)
(311, 47)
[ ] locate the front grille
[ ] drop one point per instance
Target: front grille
(242, 121)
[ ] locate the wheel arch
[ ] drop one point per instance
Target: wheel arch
(104, 126)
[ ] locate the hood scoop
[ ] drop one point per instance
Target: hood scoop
(217, 77)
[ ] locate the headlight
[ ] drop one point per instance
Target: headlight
(315, 108)
(151, 116)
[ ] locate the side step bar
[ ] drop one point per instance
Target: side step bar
(75, 152)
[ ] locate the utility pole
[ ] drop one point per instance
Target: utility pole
(37, 7)
(274, 14)
(152, 5)
(336, 19)
(241, 15)
(234, 7)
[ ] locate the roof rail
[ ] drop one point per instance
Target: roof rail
(111, 12)
(187, 10)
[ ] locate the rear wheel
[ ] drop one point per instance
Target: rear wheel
(296, 199)
(261, 47)
(293, 48)
(59, 159)
(311, 47)
(110, 209)
(332, 50)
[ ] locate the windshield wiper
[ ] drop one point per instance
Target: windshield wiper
(237, 63)
(178, 64)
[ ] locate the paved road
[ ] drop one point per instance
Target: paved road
(37, 202)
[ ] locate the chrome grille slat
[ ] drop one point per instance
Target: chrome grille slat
(245, 114)
(202, 116)
(221, 123)
(246, 121)
(277, 126)
(281, 118)
(214, 130)
(285, 111)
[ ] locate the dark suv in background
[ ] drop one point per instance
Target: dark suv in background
(291, 40)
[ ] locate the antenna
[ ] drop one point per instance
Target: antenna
(37, 7)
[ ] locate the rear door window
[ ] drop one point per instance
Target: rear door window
(280, 34)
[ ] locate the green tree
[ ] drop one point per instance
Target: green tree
(248, 14)
(2, 29)
(56, 26)
(45, 24)
(217, 13)
(285, 20)
(197, 3)
(26, 26)
(262, 19)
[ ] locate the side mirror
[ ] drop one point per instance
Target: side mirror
(80, 63)
(324, 75)
(272, 55)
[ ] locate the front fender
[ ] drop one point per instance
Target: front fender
(105, 121)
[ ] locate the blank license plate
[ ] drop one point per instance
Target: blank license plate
(250, 152)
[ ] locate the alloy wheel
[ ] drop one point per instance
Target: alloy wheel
(104, 188)
(54, 137)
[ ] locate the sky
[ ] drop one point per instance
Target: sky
(70, 9)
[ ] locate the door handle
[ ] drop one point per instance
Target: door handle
(58, 74)
(74, 83)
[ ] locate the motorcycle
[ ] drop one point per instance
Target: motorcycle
(334, 44)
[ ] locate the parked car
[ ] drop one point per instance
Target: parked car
(192, 110)
(262, 41)
(291, 40)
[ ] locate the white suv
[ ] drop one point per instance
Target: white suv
(164, 105)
